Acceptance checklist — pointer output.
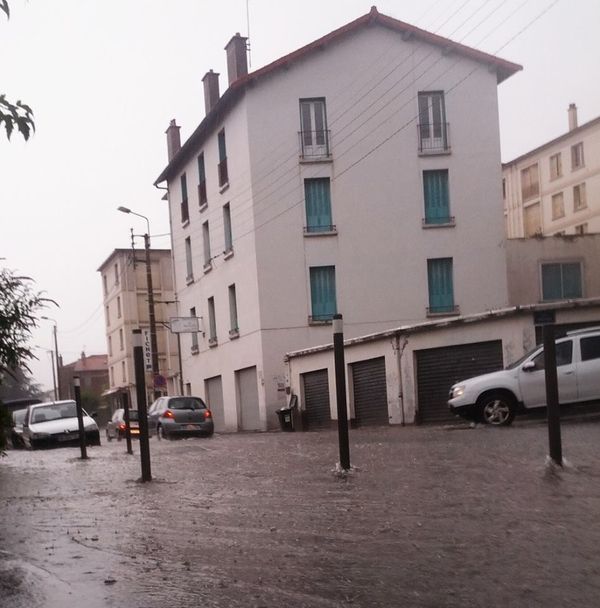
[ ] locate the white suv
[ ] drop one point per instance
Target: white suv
(496, 397)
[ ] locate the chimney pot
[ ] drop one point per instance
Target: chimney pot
(173, 139)
(211, 90)
(572, 111)
(237, 58)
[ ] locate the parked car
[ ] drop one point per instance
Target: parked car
(55, 423)
(116, 425)
(495, 398)
(179, 416)
(16, 433)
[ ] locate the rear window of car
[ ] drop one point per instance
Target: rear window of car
(186, 403)
(133, 415)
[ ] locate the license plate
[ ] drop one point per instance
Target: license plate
(191, 427)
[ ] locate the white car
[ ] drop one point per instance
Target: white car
(495, 398)
(55, 423)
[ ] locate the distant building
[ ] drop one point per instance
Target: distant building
(124, 286)
(555, 188)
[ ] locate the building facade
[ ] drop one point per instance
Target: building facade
(555, 188)
(357, 175)
(125, 300)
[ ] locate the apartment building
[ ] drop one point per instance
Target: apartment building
(359, 175)
(555, 188)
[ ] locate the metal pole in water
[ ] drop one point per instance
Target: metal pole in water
(340, 385)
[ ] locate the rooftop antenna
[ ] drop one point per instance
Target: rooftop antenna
(248, 37)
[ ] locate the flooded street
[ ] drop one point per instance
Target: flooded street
(432, 517)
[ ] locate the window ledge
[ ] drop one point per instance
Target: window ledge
(582, 208)
(310, 233)
(234, 333)
(228, 253)
(189, 280)
(440, 152)
(223, 187)
(454, 312)
(212, 342)
(203, 207)
(207, 267)
(195, 349)
(185, 223)
(450, 223)
(316, 159)
(313, 321)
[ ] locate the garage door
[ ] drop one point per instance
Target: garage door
(214, 398)
(370, 392)
(247, 394)
(316, 400)
(439, 368)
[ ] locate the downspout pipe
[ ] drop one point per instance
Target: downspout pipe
(399, 350)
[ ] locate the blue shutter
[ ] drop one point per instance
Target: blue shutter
(222, 148)
(551, 282)
(441, 289)
(201, 170)
(561, 281)
(437, 200)
(317, 194)
(571, 281)
(322, 290)
(184, 192)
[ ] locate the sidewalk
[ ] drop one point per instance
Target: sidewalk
(432, 517)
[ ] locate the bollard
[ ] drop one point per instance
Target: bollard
(82, 441)
(340, 385)
(552, 402)
(125, 397)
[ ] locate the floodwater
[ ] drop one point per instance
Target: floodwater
(431, 517)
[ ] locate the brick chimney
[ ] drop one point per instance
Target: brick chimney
(211, 90)
(173, 139)
(237, 59)
(572, 116)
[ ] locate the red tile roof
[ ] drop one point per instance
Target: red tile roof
(90, 363)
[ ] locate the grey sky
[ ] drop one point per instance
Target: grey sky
(104, 79)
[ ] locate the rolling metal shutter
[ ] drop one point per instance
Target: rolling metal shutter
(370, 392)
(439, 368)
(316, 400)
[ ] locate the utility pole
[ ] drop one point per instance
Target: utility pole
(552, 402)
(82, 441)
(152, 316)
(340, 385)
(140, 391)
(54, 375)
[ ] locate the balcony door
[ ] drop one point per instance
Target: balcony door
(313, 123)
(432, 121)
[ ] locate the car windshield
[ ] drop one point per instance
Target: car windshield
(19, 416)
(54, 411)
(186, 403)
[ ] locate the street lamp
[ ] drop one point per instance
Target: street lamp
(151, 314)
(59, 395)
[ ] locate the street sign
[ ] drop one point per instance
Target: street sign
(147, 349)
(184, 325)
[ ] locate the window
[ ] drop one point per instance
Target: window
(121, 343)
(317, 194)
(590, 348)
(206, 243)
(564, 355)
(118, 307)
(233, 316)
(123, 372)
(105, 284)
(314, 136)
(441, 289)
(558, 206)
(581, 228)
(112, 375)
(561, 281)
(116, 274)
(212, 323)
(504, 188)
(577, 160)
(530, 184)
(188, 260)
(223, 174)
(201, 181)
(194, 334)
(185, 215)
(579, 197)
(437, 200)
(227, 228)
(322, 293)
(555, 166)
(532, 220)
(107, 313)
(433, 129)
(110, 350)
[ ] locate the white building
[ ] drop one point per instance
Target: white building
(359, 174)
(555, 189)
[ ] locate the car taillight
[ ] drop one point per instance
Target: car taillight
(207, 414)
(122, 426)
(168, 414)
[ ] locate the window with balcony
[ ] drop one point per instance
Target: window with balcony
(558, 206)
(577, 160)
(121, 342)
(227, 230)
(322, 294)
(432, 128)
(212, 323)
(223, 173)
(555, 166)
(118, 307)
(206, 244)
(579, 197)
(317, 196)
(561, 281)
(107, 314)
(314, 136)
(123, 372)
(440, 284)
(437, 198)
(189, 265)
(110, 349)
(105, 284)
(194, 347)
(116, 274)
(530, 182)
(234, 330)
(185, 214)
(202, 198)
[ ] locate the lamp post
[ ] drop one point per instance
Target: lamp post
(58, 392)
(151, 313)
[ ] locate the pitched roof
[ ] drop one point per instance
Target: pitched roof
(89, 363)
(503, 69)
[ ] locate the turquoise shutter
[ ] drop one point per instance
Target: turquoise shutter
(322, 290)
(184, 192)
(441, 289)
(317, 194)
(437, 200)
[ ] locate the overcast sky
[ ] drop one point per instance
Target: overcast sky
(105, 77)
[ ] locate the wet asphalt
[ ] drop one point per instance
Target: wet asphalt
(431, 517)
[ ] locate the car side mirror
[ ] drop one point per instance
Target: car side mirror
(528, 367)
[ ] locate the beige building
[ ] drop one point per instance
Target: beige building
(124, 285)
(555, 189)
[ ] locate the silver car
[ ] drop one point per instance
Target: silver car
(179, 416)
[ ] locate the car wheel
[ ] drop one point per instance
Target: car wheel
(108, 437)
(497, 409)
(160, 433)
